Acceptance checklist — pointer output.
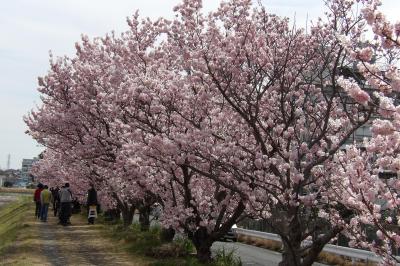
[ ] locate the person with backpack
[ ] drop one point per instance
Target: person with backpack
(65, 202)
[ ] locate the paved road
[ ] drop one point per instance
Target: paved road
(252, 256)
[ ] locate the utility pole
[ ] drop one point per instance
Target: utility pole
(8, 161)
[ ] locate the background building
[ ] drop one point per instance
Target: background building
(26, 178)
(9, 178)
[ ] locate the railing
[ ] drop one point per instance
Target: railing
(338, 250)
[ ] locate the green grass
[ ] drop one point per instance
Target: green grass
(11, 220)
(226, 258)
(136, 241)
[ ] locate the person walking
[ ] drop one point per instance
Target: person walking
(56, 200)
(36, 199)
(45, 198)
(91, 204)
(65, 200)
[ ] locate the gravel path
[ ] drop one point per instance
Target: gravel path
(50, 246)
(77, 244)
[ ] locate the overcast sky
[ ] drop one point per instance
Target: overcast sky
(30, 28)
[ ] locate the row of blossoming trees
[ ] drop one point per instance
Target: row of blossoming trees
(234, 114)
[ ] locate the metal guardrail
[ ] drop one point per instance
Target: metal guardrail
(334, 249)
(259, 234)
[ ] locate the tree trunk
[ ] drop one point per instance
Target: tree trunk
(127, 214)
(127, 218)
(319, 244)
(290, 254)
(116, 215)
(202, 241)
(204, 253)
(167, 234)
(127, 210)
(112, 215)
(144, 218)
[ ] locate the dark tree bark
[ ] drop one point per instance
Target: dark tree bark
(144, 217)
(202, 241)
(127, 211)
(291, 255)
(167, 234)
(292, 234)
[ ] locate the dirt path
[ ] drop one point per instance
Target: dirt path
(52, 244)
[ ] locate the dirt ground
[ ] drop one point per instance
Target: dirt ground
(48, 243)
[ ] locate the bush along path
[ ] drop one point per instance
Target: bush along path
(38, 243)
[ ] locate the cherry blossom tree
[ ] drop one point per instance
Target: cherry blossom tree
(161, 122)
(96, 99)
(75, 119)
(373, 198)
(233, 113)
(55, 169)
(279, 87)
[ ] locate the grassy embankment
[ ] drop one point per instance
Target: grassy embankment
(20, 244)
(11, 220)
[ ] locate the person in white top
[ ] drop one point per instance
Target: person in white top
(65, 200)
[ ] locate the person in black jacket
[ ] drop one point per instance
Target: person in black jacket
(91, 201)
(56, 200)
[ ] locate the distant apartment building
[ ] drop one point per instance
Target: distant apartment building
(361, 133)
(26, 177)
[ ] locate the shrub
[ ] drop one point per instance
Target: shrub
(185, 244)
(180, 247)
(226, 258)
(134, 240)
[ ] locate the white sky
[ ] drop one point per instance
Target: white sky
(30, 28)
